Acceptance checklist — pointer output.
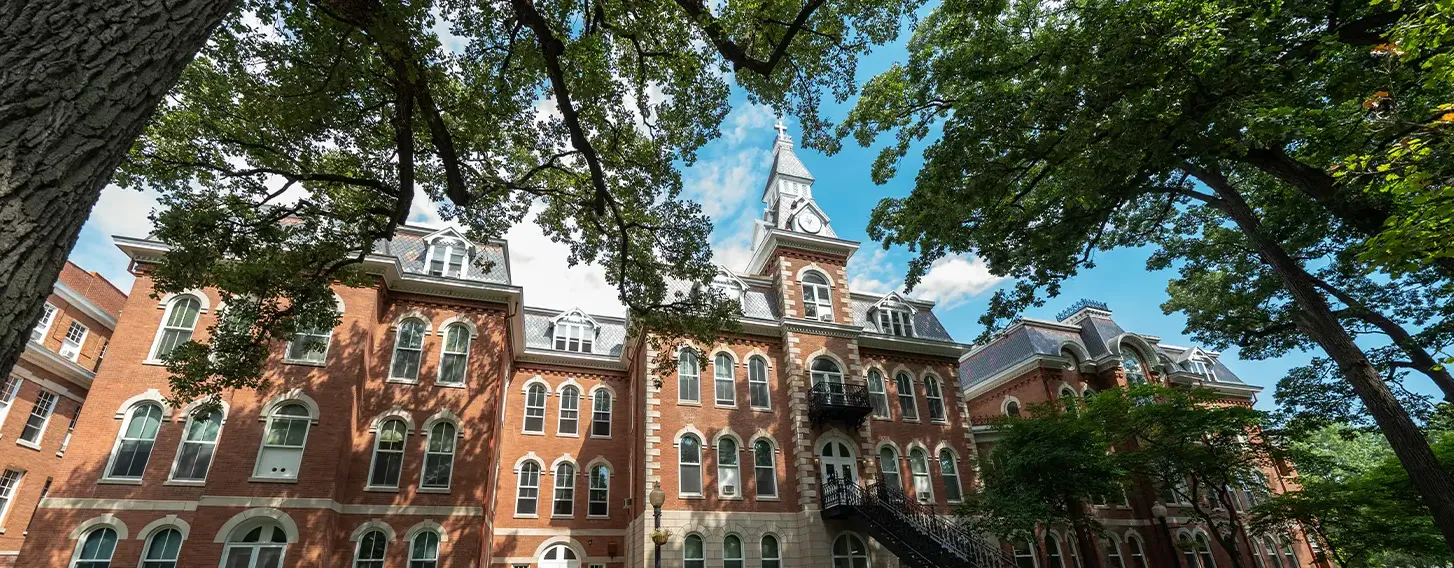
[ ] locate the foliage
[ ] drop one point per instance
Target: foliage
(306, 132)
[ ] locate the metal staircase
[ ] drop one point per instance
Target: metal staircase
(914, 532)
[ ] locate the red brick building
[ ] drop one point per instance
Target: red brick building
(41, 397)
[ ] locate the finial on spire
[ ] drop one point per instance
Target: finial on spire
(782, 130)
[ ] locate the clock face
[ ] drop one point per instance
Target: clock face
(810, 223)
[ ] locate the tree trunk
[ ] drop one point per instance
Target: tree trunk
(79, 79)
(1419, 358)
(1435, 485)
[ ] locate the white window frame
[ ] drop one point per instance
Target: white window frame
(729, 380)
(739, 561)
(42, 327)
(1057, 558)
(49, 410)
(1142, 374)
(694, 561)
(445, 255)
(1111, 545)
(934, 396)
(574, 330)
(399, 346)
(453, 437)
(684, 379)
(1137, 551)
(300, 338)
(182, 444)
(9, 483)
(904, 384)
(445, 353)
(776, 560)
(9, 388)
(771, 468)
(81, 545)
(234, 542)
(379, 450)
(68, 343)
(569, 489)
(163, 328)
(878, 397)
(570, 401)
(729, 468)
(121, 437)
(538, 411)
(895, 321)
(757, 381)
(521, 486)
(953, 492)
(1029, 551)
(597, 411)
(263, 445)
(358, 549)
(822, 302)
(151, 541)
(438, 544)
(923, 494)
(683, 464)
(893, 461)
(592, 490)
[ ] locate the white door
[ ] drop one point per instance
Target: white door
(837, 465)
(559, 556)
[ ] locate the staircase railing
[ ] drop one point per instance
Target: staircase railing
(879, 499)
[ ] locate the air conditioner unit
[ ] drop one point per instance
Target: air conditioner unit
(922, 496)
(729, 490)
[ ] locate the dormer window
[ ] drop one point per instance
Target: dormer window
(728, 285)
(575, 331)
(447, 257)
(895, 322)
(1203, 368)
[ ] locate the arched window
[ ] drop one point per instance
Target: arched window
(693, 555)
(1024, 554)
(424, 552)
(689, 462)
(162, 549)
(907, 407)
(1137, 550)
(764, 469)
(758, 393)
(1068, 398)
(455, 358)
(598, 501)
(1053, 556)
(1204, 551)
(95, 549)
(558, 556)
(849, 552)
(310, 345)
(1267, 555)
(388, 459)
(1071, 550)
(689, 379)
(817, 303)
(535, 409)
(256, 546)
(601, 414)
(771, 556)
(1012, 408)
(408, 349)
(1074, 360)
(371, 549)
(1187, 546)
(888, 466)
(732, 552)
(935, 396)
(570, 411)
(177, 325)
(199, 442)
(282, 450)
(919, 468)
(949, 470)
(439, 457)
(877, 395)
(565, 490)
(134, 442)
(1131, 363)
(1113, 553)
(727, 468)
(724, 380)
(1289, 555)
(527, 489)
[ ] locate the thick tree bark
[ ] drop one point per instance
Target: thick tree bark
(79, 79)
(1435, 485)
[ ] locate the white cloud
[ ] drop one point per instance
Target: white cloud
(748, 121)
(954, 280)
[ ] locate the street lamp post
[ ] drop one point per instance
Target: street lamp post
(658, 497)
(1158, 510)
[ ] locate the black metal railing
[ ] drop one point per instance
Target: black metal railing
(920, 532)
(827, 401)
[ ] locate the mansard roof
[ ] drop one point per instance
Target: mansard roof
(926, 324)
(489, 262)
(539, 330)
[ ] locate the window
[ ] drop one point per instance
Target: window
(1071, 550)
(8, 482)
(949, 470)
(598, 504)
(1289, 555)
(559, 555)
(408, 349)
(817, 304)
(162, 549)
(282, 450)
(732, 552)
(439, 457)
(310, 345)
(905, 385)
(1204, 368)
(849, 552)
(826, 373)
(895, 322)
(47, 317)
(199, 441)
(527, 489)
(570, 411)
(1204, 551)
(8, 389)
(877, 395)
(1137, 551)
(919, 468)
(689, 460)
(45, 404)
(133, 447)
(888, 464)
(425, 551)
(1012, 408)
(371, 549)
(574, 334)
(564, 504)
(1024, 554)
(1113, 553)
(601, 414)
(259, 547)
(1067, 397)
(446, 257)
(95, 549)
(388, 454)
(177, 325)
(771, 557)
(535, 409)
(1053, 557)
(692, 554)
(456, 356)
(688, 379)
(727, 468)
(75, 338)
(935, 396)
(1131, 363)
(725, 380)
(764, 469)
(757, 391)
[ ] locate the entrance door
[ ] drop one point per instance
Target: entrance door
(826, 372)
(837, 466)
(559, 556)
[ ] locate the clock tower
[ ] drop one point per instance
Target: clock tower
(788, 195)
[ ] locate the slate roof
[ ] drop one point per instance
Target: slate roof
(488, 264)
(539, 332)
(926, 324)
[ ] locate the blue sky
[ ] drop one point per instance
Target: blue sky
(728, 180)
